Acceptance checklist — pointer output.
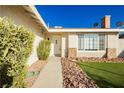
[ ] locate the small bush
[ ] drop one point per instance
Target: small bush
(43, 49)
(15, 47)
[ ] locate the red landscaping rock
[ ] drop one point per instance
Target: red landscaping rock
(37, 66)
(74, 77)
(30, 81)
(93, 59)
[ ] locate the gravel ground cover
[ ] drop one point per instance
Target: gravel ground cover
(104, 60)
(74, 77)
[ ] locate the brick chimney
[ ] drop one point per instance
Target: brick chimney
(105, 21)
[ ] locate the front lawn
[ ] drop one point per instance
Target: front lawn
(105, 74)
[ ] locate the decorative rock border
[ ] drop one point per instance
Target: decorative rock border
(74, 77)
(93, 59)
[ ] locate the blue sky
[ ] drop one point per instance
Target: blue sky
(79, 16)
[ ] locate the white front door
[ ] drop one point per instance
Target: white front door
(57, 45)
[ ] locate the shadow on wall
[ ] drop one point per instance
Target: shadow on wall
(121, 55)
(105, 55)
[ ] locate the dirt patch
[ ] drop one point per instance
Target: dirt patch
(34, 70)
(74, 77)
(37, 66)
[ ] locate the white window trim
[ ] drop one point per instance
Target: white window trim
(83, 50)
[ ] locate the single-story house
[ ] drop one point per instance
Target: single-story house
(90, 42)
(68, 42)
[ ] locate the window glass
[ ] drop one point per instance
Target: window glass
(91, 42)
(101, 42)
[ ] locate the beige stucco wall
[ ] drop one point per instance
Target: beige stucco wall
(112, 39)
(120, 49)
(112, 45)
(62, 38)
(20, 17)
(73, 43)
(111, 42)
(64, 45)
(70, 40)
(91, 53)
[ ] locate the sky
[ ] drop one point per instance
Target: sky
(79, 16)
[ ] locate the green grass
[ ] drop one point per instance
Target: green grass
(105, 74)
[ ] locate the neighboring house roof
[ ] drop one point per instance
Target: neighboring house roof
(32, 11)
(84, 30)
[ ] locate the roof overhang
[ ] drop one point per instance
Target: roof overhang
(55, 30)
(32, 11)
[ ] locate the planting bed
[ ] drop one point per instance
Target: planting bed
(87, 72)
(74, 77)
(33, 72)
(105, 60)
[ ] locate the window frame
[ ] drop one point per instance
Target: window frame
(97, 39)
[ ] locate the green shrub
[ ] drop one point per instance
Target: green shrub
(15, 47)
(43, 49)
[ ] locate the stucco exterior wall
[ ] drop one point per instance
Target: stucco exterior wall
(63, 43)
(72, 45)
(120, 49)
(64, 46)
(20, 17)
(111, 41)
(70, 41)
(111, 50)
(91, 53)
(52, 46)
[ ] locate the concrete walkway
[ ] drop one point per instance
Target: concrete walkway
(51, 75)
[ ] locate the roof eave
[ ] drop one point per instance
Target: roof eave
(32, 11)
(85, 30)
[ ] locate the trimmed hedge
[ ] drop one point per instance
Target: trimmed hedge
(43, 49)
(15, 47)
